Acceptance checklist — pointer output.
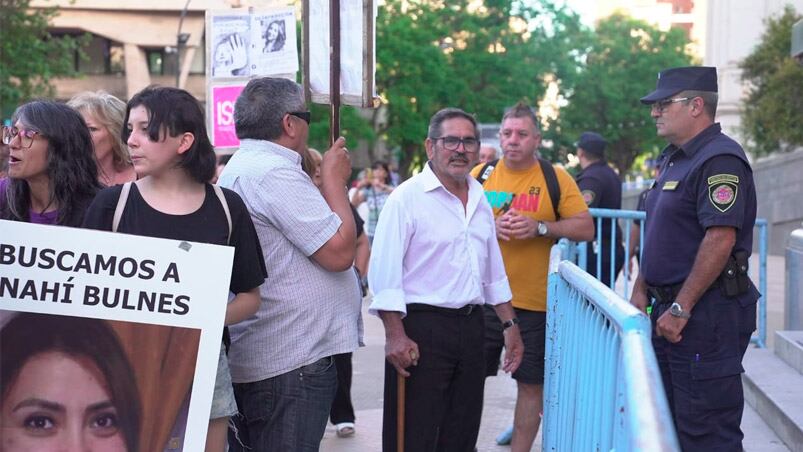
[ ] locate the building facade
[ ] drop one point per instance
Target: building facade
(734, 29)
(134, 43)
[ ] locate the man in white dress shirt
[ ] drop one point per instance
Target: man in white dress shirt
(435, 261)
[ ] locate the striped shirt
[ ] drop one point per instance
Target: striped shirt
(307, 313)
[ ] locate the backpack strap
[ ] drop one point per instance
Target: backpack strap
(486, 171)
(552, 185)
(121, 201)
(222, 198)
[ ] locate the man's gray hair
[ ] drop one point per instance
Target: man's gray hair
(436, 123)
(710, 99)
(262, 105)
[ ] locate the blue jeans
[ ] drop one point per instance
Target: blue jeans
(287, 412)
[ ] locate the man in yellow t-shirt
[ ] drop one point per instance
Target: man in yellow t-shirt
(527, 226)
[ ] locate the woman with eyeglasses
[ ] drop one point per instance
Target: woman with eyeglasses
(52, 175)
(103, 114)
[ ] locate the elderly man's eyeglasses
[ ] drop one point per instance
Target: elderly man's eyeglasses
(662, 105)
(470, 144)
(26, 136)
(305, 115)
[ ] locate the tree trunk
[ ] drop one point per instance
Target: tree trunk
(408, 153)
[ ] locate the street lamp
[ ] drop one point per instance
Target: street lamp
(181, 41)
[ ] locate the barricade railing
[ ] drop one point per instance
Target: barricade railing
(603, 388)
(578, 253)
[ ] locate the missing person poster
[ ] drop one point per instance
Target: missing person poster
(122, 331)
(273, 42)
(258, 43)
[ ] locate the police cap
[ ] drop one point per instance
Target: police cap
(675, 80)
(592, 143)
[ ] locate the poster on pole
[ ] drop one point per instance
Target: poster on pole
(122, 331)
(273, 42)
(222, 103)
(357, 51)
(243, 44)
(230, 40)
(252, 43)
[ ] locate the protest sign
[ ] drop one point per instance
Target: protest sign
(223, 99)
(115, 305)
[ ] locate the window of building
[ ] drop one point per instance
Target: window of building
(155, 61)
(101, 56)
(115, 60)
(161, 61)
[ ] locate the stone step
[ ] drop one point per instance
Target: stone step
(758, 436)
(789, 347)
(775, 391)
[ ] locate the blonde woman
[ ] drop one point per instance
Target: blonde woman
(103, 114)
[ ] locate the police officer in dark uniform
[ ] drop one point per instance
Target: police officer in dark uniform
(601, 188)
(699, 235)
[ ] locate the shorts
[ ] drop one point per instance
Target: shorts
(223, 403)
(532, 325)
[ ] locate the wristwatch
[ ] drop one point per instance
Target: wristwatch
(508, 323)
(677, 310)
(542, 229)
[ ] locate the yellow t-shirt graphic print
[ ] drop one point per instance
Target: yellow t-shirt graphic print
(527, 260)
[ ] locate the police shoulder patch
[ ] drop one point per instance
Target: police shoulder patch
(588, 196)
(723, 195)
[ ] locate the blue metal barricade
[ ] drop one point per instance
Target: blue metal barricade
(602, 388)
(579, 254)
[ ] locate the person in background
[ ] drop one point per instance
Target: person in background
(635, 229)
(528, 223)
(4, 150)
(222, 161)
(342, 411)
(395, 178)
(103, 114)
(601, 189)
(170, 148)
(374, 191)
(282, 359)
(488, 154)
(52, 174)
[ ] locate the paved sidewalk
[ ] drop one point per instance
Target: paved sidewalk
(500, 391)
(367, 384)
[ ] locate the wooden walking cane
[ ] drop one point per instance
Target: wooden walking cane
(400, 380)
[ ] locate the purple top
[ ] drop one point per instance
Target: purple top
(38, 218)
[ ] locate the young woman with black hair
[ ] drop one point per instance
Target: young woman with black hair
(172, 155)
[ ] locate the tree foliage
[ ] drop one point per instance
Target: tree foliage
(773, 109)
(30, 56)
(480, 57)
(622, 61)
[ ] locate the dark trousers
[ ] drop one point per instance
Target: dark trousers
(443, 403)
(285, 413)
(591, 263)
(702, 373)
(342, 410)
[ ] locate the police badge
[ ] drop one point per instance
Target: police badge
(722, 191)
